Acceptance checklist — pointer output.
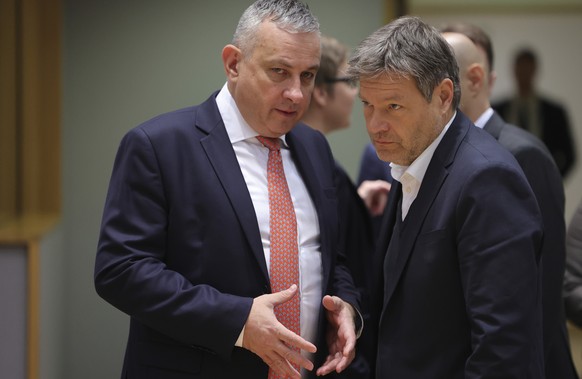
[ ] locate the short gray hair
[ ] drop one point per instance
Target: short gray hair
(290, 15)
(411, 48)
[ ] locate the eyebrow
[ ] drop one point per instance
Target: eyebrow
(386, 99)
(284, 63)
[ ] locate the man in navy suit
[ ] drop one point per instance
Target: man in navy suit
(474, 51)
(185, 242)
(458, 291)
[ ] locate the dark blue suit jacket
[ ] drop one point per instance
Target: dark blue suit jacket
(546, 182)
(461, 295)
(180, 249)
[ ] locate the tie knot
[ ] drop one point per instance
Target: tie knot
(270, 142)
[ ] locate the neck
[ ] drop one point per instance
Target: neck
(478, 109)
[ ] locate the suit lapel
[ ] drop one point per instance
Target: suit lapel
(221, 155)
(386, 230)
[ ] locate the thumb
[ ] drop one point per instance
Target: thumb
(284, 296)
(331, 303)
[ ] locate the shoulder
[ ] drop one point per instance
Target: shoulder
(205, 114)
(483, 146)
(310, 140)
(480, 153)
(517, 139)
(307, 134)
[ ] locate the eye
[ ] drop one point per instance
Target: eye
(308, 76)
(278, 71)
(394, 107)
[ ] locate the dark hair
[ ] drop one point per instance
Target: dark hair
(409, 47)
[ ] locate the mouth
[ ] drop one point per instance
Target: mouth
(286, 113)
(383, 143)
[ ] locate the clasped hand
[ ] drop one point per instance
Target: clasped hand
(265, 336)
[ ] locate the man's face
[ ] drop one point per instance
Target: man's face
(400, 121)
(273, 86)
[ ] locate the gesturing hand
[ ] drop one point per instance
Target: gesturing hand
(341, 335)
(265, 336)
(375, 195)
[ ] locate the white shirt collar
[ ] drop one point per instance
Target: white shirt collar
(236, 126)
(482, 120)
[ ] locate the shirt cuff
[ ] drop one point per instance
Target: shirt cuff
(239, 340)
(359, 322)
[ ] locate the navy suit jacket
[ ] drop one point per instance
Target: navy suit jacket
(180, 249)
(546, 182)
(460, 290)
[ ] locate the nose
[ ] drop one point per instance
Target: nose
(293, 91)
(375, 123)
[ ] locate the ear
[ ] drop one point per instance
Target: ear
(319, 96)
(445, 92)
(231, 56)
(476, 77)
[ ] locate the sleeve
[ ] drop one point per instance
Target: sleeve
(499, 242)
(130, 268)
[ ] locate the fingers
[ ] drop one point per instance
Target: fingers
(282, 367)
(336, 304)
(284, 359)
(332, 303)
(293, 340)
(277, 346)
(336, 362)
(282, 296)
(375, 195)
(329, 365)
(341, 335)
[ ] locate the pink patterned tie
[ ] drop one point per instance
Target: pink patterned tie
(284, 266)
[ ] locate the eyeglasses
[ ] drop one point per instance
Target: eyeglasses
(349, 81)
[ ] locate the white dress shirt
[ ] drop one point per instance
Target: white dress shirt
(411, 176)
(252, 157)
(485, 116)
